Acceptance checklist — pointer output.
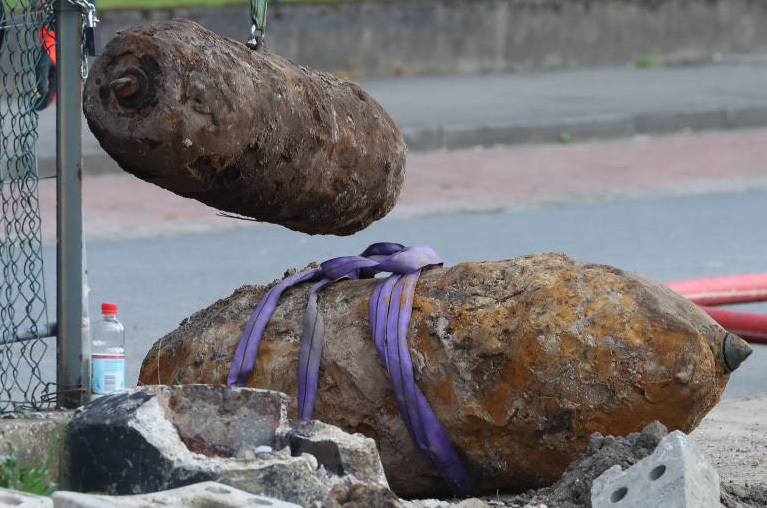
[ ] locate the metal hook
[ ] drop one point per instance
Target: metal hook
(256, 40)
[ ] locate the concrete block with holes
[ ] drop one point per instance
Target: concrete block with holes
(9, 497)
(205, 494)
(676, 475)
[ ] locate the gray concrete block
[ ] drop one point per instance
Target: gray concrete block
(206, 494)
(676, 475)
(17, 499)
(34, 437)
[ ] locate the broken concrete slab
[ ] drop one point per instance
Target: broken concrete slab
(200, 495)
(676, 474)
(161, 437)
(339, 452)
(18, 499)
(217, 420)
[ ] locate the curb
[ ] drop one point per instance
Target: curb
(599, 128)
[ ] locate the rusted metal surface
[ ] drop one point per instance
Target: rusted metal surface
(521, 360)
(246, 132)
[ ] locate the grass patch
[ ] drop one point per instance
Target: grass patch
(647, 62)
(32, 479)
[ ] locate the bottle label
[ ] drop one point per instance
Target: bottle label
(108, 373)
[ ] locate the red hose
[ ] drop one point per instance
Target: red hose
(748, 325)
(708, 292)
(744, 288)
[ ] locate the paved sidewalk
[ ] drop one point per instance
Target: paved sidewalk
(489, 110)
(121, 206)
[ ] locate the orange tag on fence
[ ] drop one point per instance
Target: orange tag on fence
(48, 38)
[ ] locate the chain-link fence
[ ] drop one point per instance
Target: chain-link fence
(27, 76)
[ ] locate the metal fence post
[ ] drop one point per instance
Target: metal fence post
(72, 372)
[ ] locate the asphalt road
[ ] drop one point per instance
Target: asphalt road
(158, 282)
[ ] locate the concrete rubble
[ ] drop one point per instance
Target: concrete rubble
(572, 490)
(339, 452)
(200, 495)
(676, 474)
(160, 437)
(361, 495)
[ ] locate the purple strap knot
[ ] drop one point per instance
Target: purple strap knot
(391, 307)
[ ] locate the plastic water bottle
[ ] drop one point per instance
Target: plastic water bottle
(108, 353)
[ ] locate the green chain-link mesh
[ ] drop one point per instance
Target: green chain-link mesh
(25, 75)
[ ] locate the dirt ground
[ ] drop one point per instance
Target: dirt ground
(734, 438)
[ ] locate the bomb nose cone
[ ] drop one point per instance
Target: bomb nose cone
(735, 351)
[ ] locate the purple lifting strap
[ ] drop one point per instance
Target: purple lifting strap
(391, 306)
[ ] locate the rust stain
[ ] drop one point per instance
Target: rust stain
(444, 393)
(300, 165)
(499, 397)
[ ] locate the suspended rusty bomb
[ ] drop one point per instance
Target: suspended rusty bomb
(246, 132)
